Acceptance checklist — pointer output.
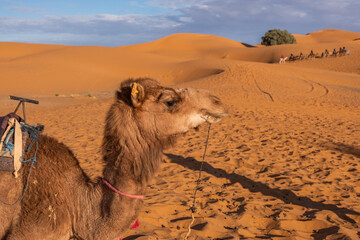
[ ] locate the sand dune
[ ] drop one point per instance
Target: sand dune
(187, 44)
(12, 51)
(76, 69)
(283, 165)
(334, 35)
(327, 36)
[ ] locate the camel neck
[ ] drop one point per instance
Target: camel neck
(123, 182)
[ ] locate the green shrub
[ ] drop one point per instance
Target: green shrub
(277, 37)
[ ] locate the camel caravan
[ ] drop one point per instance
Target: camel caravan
(342, 52)
(52, 197)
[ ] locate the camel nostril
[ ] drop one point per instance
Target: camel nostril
(215, 100)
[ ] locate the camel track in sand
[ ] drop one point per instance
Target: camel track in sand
(260, 89)
(313, 88)
(250, 75)
(325, 89)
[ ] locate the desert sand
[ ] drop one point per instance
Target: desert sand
(285, 163)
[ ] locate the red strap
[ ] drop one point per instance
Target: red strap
(136, 225)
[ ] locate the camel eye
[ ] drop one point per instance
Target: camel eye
(171, 103)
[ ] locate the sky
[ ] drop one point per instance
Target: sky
(126, 22)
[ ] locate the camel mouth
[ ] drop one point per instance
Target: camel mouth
(213, 117)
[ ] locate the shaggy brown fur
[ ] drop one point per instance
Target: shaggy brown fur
(61, 202)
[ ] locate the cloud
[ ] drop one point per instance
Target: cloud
(178, 4)
(24, 9)
(244, 20)
(101, 24)
(101, 29)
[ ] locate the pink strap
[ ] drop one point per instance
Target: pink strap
(121, 193)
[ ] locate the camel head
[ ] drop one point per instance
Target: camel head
(146, 118)
(169, 111)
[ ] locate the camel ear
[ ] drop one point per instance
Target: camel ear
(137, 94)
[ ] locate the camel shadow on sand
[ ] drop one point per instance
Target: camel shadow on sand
(285, 195)
(343, 148)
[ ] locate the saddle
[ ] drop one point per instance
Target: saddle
(14, 133)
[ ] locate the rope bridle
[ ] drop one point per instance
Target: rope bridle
(192, 208)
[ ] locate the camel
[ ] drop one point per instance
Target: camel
(311, 55)
(292, 58)
(62, 202)
(326, 53)
(334, 53)
(342, 51)
(282, 60)
(302, 57)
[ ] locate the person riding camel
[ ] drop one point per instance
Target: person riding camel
(291, 58)
(301, 56)
(311, 55)
(282, 59)
(343, 51)
(334, 52)
(326, 53)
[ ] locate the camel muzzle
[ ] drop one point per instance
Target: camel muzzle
(214, 117)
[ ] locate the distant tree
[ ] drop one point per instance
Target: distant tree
(277, 37)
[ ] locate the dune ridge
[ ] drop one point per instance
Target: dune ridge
(283, 165)
(192, 42)
(327, 36)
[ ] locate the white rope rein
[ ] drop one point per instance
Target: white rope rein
(192, 208)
